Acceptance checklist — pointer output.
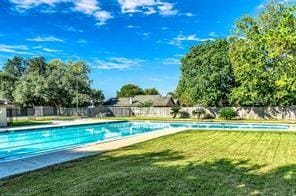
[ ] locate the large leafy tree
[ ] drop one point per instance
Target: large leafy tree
(31, 87)
(78, 82)
(15, 66)
(7, 85)
(34, 82)
(37, 65)
(206, 75)
(96, 96)
(130, 90)
(263, 55)
(11, 73)
(56, 87)
(151, 91)
(30, 90)
(172, 94)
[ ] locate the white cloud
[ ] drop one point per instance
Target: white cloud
(188, 14)
(180, 55)
(15, 49)
(148, 7)
(178, 41)
(119, 63)
(155, 79)
(72, 29)
(28, 4)
(167, 9)
(146, 35)
(171, 61)
(82, 41)
(45, 39)
(88, 7)
(25, 53)
(45, 51)
(261, 6)
(213, 34)
(150, 11)
(133, 27)
(51, 50)
(102, 16)
(12, 48)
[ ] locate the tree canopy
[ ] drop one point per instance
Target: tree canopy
(255, 66)
(13, 69)
(207, 76)
(263, 56)
(34, 81)
(131, 90)
(151, 91)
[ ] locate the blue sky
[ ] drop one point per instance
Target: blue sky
(123, 41)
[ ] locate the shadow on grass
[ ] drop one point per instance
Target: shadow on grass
(156, 173)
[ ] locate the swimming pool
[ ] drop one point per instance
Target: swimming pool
(26, 143)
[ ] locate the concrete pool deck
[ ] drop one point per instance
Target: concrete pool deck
(57, 123)
(10, 168)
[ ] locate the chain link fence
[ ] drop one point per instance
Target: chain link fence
(45, 112)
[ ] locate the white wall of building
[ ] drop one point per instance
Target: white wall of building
(3, 118)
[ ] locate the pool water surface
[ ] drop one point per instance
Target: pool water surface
(26, 143)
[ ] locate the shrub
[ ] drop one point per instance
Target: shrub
(199, 112)
(146, 104)
(175, 110)
(208, 116)
(184, 114)
(227, 113)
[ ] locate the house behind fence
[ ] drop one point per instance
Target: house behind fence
(140, 100)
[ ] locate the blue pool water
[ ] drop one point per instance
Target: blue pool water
(20, 144)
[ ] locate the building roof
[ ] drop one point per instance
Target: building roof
(3, 102)
(156, 100)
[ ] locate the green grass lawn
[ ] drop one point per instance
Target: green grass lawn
(187, 163)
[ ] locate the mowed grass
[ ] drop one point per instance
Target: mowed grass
(187, 163)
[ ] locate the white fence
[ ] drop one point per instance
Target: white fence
(280, 113)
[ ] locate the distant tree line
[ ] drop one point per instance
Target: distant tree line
(33, 82)
(256, 66)
(131, 90)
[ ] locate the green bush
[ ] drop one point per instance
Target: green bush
(146, 104)
(227, 113)
(175, 110)
(198, 112)
(184, 114)
(208, 116)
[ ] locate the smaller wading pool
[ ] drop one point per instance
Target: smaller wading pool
(27, 143)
